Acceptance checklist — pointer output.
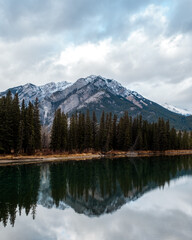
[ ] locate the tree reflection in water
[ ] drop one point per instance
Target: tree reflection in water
(90, 187)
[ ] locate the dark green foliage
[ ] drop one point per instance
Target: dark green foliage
(37, 125)
(88, 132)
(16, 123)
(20, 129)
(30, 130)
(85, 133)
(94, 131)
(56, 131)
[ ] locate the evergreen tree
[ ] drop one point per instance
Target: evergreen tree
(73, 133)
(2, 124)
(37, 126)
(30, 129)
(81, 132)
(127, 129)
(16, 123)
(102, 133)
(23, 128)
(108, 143)
(56, 131)
(114, 132)
(173, 139)
(8, 124)
(94, 131)
(64, 132)
(88, 131)
(185, 140)
(190, 140)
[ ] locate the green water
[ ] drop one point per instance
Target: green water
(148, 198)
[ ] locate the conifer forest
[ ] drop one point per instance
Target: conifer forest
(20, 127)
(83, 132)
(20, 131)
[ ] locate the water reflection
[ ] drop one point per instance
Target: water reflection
(92, 187)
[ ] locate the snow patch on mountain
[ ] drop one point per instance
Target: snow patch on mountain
(116, 88)
(85, 92)
(29, 92)
(52, 87)
(177, 110)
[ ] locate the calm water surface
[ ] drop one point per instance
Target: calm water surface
(148, 198)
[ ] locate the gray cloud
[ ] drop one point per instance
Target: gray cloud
(150, 43)
(88, 19)
(181, 18)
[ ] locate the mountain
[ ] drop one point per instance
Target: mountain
(174, 109)
(29, 92)
(97, 94)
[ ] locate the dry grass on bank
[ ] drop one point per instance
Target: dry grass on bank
(50, 155)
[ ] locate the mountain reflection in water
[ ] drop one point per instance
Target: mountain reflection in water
(90, 187)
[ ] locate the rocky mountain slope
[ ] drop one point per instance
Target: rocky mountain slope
(96, 94)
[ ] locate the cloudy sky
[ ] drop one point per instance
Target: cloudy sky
(146, 45)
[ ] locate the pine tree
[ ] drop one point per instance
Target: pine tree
(120, 134)
(127, 136)
(173, 139)
(185, 140)
(16, 123)
(8, 124)
(179, 140)
(23, 128)
(56, 131)
(2, 124)
(94, 131)
(64, 132)
(108, 125)
(102, 133)
(88, 131)
(114, 132)
(37, 126)
(30, 129)
(81, 132)
(73, 133)
(190, 140)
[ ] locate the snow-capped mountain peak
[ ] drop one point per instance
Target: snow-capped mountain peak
(52, 87)
(112, 85)
(177, 110)
(98, 94)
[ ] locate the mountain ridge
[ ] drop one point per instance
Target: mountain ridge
(175, 109)
(98, 94)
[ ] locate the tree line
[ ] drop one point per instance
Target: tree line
(82, 132)
(20, 131)
(20, 127)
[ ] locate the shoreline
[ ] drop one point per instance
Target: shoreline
(35, 159)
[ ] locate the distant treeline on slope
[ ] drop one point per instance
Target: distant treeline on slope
(83, 132)
(20, 128)
(20, 131)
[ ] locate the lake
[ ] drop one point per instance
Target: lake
(106, 199)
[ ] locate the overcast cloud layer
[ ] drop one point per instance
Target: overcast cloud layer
(145, 44)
